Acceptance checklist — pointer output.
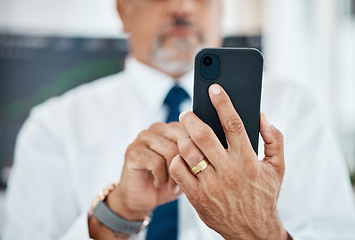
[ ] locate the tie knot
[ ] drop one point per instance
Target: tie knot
(175, 97)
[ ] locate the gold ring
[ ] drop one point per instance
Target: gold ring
(200, 167)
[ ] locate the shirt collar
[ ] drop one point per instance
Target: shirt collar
(152, 84)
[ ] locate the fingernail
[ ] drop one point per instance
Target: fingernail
(215, 89)
(265, 119)
(182, 114)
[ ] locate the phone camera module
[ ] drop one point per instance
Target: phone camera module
(207, 61)
(209, 66)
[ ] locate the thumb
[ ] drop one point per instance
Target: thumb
(273, 144)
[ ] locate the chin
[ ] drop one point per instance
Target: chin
(177, 58)
(173, 63)
(175, 68)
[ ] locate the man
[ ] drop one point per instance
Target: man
(112, 130)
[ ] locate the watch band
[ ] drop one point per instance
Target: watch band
(110, 219)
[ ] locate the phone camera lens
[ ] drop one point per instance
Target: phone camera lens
(207, 61)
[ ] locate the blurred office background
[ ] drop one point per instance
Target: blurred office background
(48, 47)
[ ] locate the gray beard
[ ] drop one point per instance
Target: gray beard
(168, 61)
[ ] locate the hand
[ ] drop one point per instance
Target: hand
(237, 194)
(145, 182)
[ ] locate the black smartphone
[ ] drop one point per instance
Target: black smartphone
(239, 71)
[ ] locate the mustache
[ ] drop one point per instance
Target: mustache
(181, 22)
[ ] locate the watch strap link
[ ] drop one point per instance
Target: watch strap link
(104, 214)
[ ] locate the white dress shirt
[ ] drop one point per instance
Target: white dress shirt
(74, 145)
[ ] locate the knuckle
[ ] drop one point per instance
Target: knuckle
(131, 150)
(174, 124)
(133, 153)
(156, 126)
(188, 150)
(144, 135)
(179, 128)
(279, 136)
(282, 168)
(183, 145)
(201, 135)
(233, 125)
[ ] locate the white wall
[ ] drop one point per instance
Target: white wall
(313, 43)
(64, 17)
(99, 17)
(243, 17)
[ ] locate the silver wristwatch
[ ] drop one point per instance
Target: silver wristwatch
(110, 219)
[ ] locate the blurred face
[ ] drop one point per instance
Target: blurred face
(166, 34)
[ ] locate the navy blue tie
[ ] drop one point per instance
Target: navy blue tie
(164, 225)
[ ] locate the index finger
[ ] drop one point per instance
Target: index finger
(232, 124)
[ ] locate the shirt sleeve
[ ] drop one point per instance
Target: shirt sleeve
(40, 203)
(316, 200)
